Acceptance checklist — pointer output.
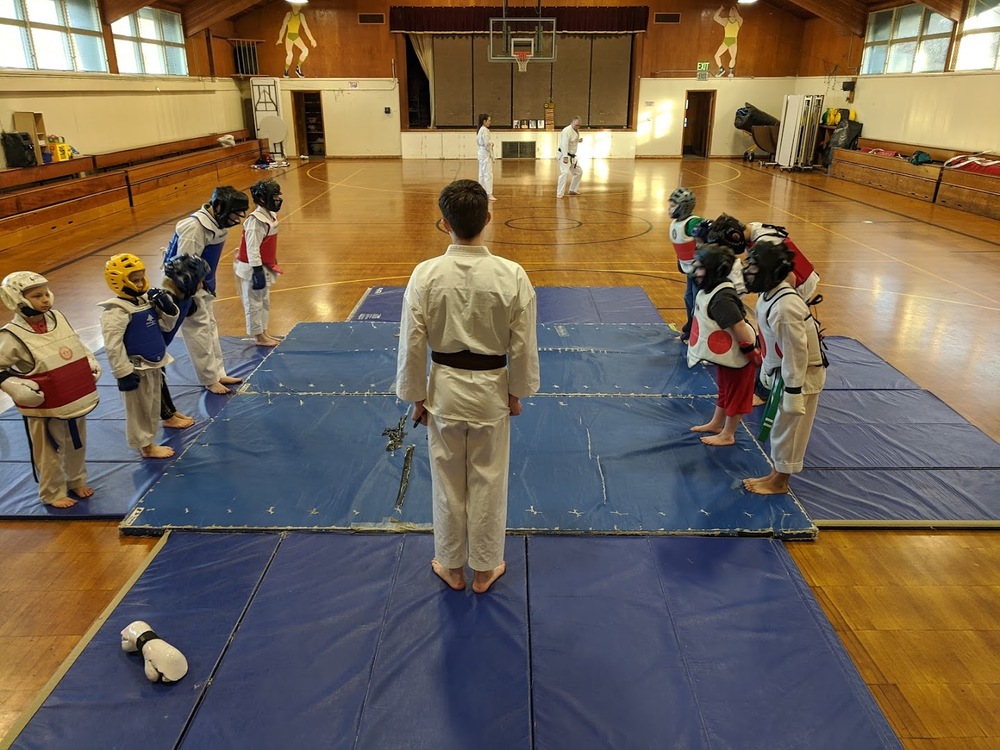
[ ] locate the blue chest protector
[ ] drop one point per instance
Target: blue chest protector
(211, 254)
(184, 308)
(143, 337)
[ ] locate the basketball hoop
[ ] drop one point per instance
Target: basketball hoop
(522, 61)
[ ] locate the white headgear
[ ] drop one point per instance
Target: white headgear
(13, 286)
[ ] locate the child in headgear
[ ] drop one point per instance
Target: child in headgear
(803, 276)
(728, 231)
(683, 234)
(257, 259)
(52, 378)
(133, 323)
(721, 334)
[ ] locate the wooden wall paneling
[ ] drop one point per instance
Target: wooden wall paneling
(491, 85)
(850, 14)
(571, 77)
(402, 79)
(609, 79)
(453, 81)
(828, 49)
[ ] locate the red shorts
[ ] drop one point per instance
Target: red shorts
(736, 389)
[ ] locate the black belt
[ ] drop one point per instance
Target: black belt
(466, 360)
(571, 155)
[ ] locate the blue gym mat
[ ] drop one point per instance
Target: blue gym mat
(118, 475)
(346, 641)
(556, 304)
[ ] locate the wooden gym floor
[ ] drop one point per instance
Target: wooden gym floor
(919, 611)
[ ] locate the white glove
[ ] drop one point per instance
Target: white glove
(793, 403)
(95, 367)
(163, 662)
(767, 378)
(24, 392)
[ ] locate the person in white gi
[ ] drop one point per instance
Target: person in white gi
(792, 357)
(569, 170)
(256, 263)
(476, 312)
(52, 378)
(203, 233)
(485, 155)
(133, 324)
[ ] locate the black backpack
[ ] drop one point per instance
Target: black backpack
(19, 150)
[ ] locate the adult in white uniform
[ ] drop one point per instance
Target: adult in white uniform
(52, 378)
(569, 169)
(476, 313)
(790, 342)
(486, 157)
(203, 233)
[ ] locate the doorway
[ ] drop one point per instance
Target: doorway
(310, 135)
(699, 116)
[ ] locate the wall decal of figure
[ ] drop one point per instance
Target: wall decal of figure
(731, 23)
(291, 32)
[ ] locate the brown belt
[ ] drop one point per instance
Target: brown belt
(466, 360)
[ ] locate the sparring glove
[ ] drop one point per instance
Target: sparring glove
(162, 301)
(130, 382)
(793, 402)
(767, 378)
(259, 280)
(95, 367)
(752, 353)
(24, 392)
(163, 662)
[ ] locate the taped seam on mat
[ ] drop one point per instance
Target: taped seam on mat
(28, 714)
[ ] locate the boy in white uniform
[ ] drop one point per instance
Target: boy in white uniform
(476, 312)
(52, 378)
(256, 262)
(569, 142)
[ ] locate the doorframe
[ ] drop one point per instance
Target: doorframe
(709, 124)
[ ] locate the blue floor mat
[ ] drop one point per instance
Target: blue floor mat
(349, 641)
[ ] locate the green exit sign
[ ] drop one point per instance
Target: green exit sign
(703, 66)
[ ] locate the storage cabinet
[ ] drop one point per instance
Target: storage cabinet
(33, 124)
(310, 133)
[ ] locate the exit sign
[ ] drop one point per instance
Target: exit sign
(703, 66)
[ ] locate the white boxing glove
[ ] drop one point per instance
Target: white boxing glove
(163, 662)
(24, 392)
(767, 378)
(793, 404)
(95, 367)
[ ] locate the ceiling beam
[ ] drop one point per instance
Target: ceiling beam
(851, 14)
(948, 8)
(201, 14)
(112, 10)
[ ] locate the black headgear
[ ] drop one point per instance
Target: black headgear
(684, 201)
(186, 271)
(717, 260)
(267, 193)
(228, 200)
(701, 231)
(771, 260)
(728, 230)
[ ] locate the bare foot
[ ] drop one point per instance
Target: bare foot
(574, 193)
(82, 492)
(218, 388)
(483, 581)
(454, 577)
(265, 340)
(716, 428)
(64, 502)
(156, 451)
(492, 198)
(767, 486)
(230, 380)
(758, 401)
(178, 421)
(720, 439)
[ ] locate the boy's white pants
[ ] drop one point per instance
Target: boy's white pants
(256, 305)
(201, 337)
(59, 469)
(790, 436)
(470, 463)
(142, 409)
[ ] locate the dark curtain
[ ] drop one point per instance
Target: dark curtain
(470, 20)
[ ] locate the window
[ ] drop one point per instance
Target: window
(51, 35)
(911, 39)
(979, 40)
(150, 42)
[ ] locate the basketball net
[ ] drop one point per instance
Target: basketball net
(522, 61)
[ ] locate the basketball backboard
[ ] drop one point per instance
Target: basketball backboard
(511, 37)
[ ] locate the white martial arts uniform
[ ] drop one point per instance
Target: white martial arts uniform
(468, 299)
(195, 234)
(485, 159)
(569, 142)
(790, 344)
(137, 353)
(259, 226)
(67, 373)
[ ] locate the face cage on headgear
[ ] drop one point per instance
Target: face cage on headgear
(186, 272)
(267, 193)
(13, 287)
(684, 202)
(225, 201)
(773, 261)
(728, 231)
(717, 260)
(117, 271)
